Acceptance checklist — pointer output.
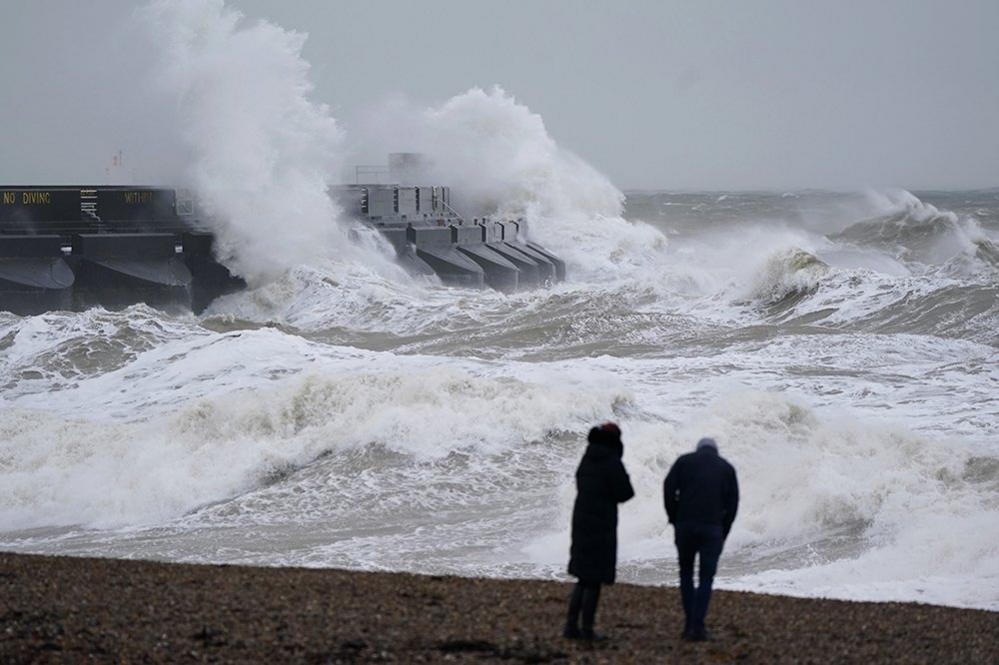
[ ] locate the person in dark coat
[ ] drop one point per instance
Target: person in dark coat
(601, 484)
(701, 493)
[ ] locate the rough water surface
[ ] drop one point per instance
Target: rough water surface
(843, 349)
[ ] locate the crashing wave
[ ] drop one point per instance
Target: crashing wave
(912, 230)
(787, 278)
(979, 263)
(987, 252)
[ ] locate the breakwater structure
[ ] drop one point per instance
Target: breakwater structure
(71, 248)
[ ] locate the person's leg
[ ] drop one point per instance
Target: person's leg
(709, 550)
(575, 605)
(591, 596)
(686, 549)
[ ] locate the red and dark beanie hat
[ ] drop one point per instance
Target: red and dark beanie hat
(612, 429)
(607, 433)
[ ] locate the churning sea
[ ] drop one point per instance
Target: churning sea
(842, 348)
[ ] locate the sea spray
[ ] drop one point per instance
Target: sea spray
(262, 149)
(495, 152)
(500, 159)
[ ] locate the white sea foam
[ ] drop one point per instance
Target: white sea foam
(208, 417)
(218, 415)
(808, 478)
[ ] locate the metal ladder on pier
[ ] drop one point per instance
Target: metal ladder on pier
(88, 208)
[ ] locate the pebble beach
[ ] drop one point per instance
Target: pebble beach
(65, 609)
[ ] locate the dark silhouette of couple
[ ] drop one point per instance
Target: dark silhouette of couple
(701, 496)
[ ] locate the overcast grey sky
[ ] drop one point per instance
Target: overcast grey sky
(709, 95)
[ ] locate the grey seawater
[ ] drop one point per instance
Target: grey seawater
(843, 349)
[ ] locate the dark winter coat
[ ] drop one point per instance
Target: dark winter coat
(701, 488)
(601, 484)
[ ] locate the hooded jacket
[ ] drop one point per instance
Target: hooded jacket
(702, 488)
(601, 484)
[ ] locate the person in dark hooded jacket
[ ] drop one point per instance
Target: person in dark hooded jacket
(601, 484)
(701, 494)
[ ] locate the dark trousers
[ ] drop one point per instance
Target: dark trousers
(584, 598)
(704, 540)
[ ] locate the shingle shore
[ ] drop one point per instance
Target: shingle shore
(63, 609)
